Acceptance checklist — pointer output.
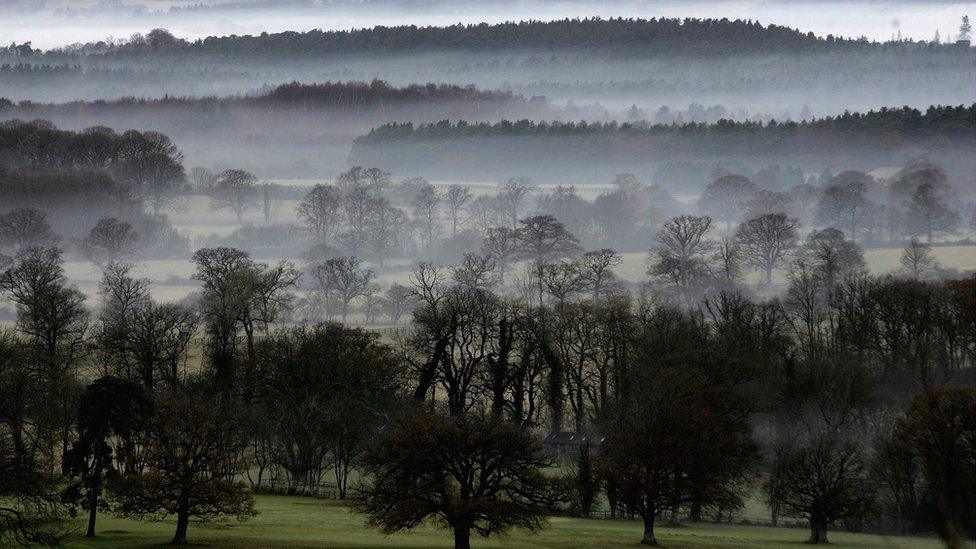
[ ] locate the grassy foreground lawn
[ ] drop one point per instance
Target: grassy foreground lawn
(305, 522)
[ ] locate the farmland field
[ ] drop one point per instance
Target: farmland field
(632, 269)
(172, 282)
(307, 522)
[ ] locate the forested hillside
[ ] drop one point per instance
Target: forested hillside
(616, 62)
(580, 151)
(656, 36)
(309, 127)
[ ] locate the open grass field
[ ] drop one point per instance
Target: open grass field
(306, 522)
(197, 220)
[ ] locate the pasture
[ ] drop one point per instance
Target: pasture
(307, 522)
(172, 277)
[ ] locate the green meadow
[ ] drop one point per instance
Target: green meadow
(285, 521)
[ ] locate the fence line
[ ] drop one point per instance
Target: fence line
(319, 490)
(743, 520)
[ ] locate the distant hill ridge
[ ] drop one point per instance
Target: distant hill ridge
(335, 94)
(936, 120)
(690, 36)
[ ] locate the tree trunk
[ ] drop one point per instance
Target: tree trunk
(769, 274)
(541, 292)
(342, 477)
(818, 530)
(182, 522)
(428, 375)
(649, 538)
(696, 511)
(462, 537)
(92, 513)
(499, 378)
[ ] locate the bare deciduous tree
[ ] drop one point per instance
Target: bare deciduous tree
(928, 213)
(543, 239)
(473, 474)
(193, 452)
(728, 258)
(843, 203)
(501, 244)
(917, 260)
(235, 191)
(475, 271)
(823, 481)
(321, 211)
(513, 195)
(344, 278)
(726, 198)
(681, 253)
(26, 227)
(562, 280)
(425, 205)
(596, 268)
(108, 241)
(832, 255)
(457, 197)
(397, 301)
(768, 240)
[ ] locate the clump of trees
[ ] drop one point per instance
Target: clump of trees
(45, 173)
(327, 391)
(680, 391)
(188, 464)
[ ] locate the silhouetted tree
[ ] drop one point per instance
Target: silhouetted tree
(917, 260)
(543, 239)
(397, 301)
(321, 211)
(586, 485)
(24, 228)
(513, 195)
(471, 473)
(928, 213)
(344, 278)
(113, 412)
(726, 198)
(843, 203)
(475, 271)
(328, 390)
(832, 255)
(596, 269)
(235, 191)
(940, 429)
(824, 480)
(108, 241)
(457, 197)
(682, 248)
(768, 240)
(192, 455)
(501, 244)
